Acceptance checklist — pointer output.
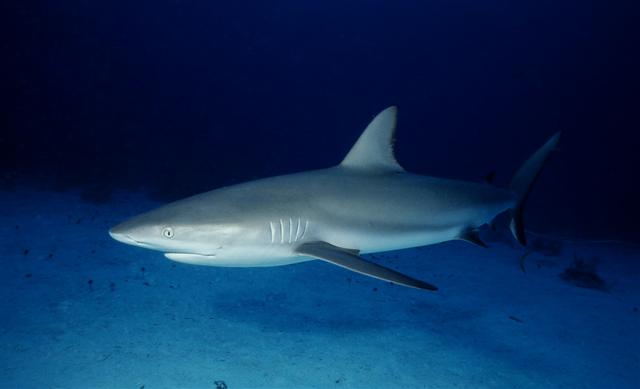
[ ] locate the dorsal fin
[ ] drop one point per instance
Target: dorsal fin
(374, 149)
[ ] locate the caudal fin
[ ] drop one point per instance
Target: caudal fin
(523, 181)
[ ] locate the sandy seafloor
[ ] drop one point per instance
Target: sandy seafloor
(147, 322)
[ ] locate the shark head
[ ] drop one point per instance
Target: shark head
(206, 229)
(175, 230)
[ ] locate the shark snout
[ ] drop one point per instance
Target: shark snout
(121, 236)
(124, 233)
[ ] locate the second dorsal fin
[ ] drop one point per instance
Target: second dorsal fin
(374, 149)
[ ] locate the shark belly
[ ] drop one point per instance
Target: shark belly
(242, 261)
(372, 240)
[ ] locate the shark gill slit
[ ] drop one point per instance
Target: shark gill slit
(281, 231)
(290, 230)
(306, 225)
(273, 232)
(297, 231)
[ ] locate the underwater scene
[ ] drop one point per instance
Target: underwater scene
(305, 194)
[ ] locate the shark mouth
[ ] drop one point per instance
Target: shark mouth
(194, 259)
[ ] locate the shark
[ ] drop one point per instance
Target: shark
(366, 204)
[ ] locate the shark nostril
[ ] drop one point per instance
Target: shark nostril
(122, 237)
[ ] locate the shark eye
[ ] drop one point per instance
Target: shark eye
(167, 232)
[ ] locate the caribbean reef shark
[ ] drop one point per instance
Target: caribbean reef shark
(366, 204)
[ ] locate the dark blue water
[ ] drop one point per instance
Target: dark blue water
(112, 108)
(183, 96)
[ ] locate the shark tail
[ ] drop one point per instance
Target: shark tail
(522, 183)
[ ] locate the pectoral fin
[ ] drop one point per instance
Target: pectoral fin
(349, 259)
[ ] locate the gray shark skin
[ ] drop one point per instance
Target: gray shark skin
(366, 204)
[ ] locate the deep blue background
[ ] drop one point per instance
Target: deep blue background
(177, 97)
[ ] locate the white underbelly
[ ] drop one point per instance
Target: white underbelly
(255, 256)
(378, 242)
(259, 262)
